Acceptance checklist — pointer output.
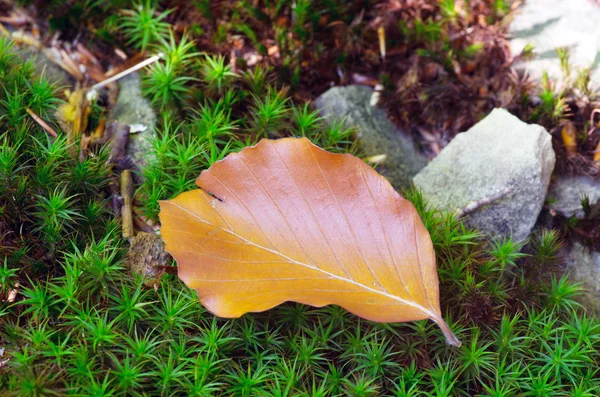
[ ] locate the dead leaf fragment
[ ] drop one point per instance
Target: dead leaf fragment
(569, 137)
(597, 154)
(74, 114)
(287, 221)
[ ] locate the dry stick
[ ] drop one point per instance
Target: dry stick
(127, 208)
(42, 123)
(141, 225)
(126, 72)
(480, 203)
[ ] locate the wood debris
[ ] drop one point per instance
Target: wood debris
(42, 123)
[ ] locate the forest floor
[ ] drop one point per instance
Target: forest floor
(74, 320)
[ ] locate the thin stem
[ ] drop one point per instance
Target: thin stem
(126, 72)
(451, 339)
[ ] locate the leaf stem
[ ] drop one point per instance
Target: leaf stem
(451, 339)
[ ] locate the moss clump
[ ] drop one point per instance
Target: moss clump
(82, 324)
(209, 111)
(50, 200)
(96, 330)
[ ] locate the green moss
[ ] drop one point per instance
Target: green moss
(97, 327)
(49, 199)
(81, 324)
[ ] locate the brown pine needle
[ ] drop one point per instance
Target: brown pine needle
(42, 123)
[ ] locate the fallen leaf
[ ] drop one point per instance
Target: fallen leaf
(287, 221)
(70, 66)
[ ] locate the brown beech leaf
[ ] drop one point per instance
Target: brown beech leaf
(287, 221)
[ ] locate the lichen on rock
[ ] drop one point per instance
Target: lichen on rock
(500, 153)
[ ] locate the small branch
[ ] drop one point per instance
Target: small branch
(42, 123)
(480, 203)
(141, 225)
(127, 208)
(126, 72)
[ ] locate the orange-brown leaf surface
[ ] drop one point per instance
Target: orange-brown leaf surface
(287, 221)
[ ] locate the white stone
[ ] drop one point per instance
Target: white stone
(583, 264)
(551, 24)
(499, 154)
(566, 193)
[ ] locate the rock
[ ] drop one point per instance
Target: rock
(499, 156)
(134, 110)
(584, 267)
(551, 24)
(566, 192)
(44, 66)
(377, 135)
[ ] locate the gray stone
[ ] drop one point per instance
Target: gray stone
(566, 192)
(551, 24)
(134, 110)
(499, 156)
(377, 135)
(44, 66)
(583, 265)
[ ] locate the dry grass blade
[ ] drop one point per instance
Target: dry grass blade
(42, 123)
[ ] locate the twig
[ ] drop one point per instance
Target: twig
(126, 72)
(13, 293)
(141, 225)
(127, 208)
(41, 122)
(480, 203)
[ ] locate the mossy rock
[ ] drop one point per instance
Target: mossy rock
(377, 135)
(55, 75)
(134, 110)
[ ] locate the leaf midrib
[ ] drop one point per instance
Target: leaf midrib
(429, 313)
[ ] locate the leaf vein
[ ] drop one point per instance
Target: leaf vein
(426, 311)
(347, 223)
